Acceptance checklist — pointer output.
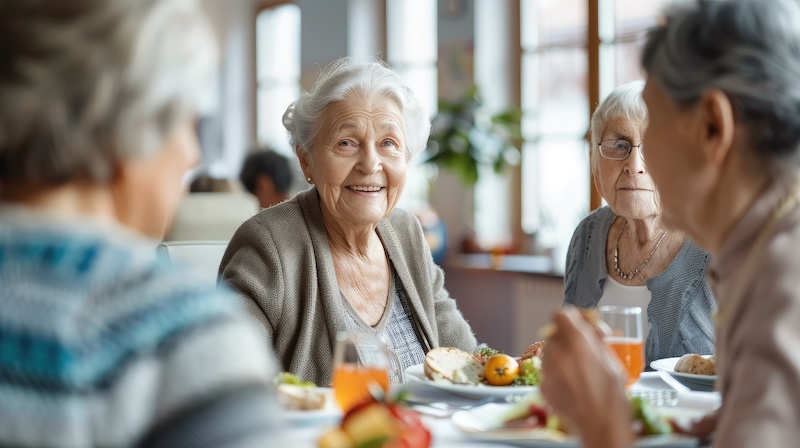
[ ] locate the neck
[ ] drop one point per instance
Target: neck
(731, 196)
(644, 231)
(349, 239)
(71, 199)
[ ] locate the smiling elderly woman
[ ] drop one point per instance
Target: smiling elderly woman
(339, 256)
(621, 255)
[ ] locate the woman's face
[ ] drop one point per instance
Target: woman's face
(358, 159)
(674, 161)
(147, 192)
(626, 184)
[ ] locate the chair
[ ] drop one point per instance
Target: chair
(211, 216)
(204, 255)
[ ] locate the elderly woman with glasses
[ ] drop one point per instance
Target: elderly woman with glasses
(723, 144)
(621, 254)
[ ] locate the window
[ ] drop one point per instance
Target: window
(556, 179)
(555, 163)
(411, 41)
(277, 71)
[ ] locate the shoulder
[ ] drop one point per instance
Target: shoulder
(593, 227)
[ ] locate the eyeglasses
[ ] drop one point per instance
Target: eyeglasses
(617, 149)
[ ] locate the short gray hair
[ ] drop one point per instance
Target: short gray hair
(749, 49)
(88, 84)
(303, 117)
(625, 102)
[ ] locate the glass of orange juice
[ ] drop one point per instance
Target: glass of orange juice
(625, 324)
(360, 362)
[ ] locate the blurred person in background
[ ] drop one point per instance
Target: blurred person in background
(103, 343)
(267, 175)
(621, 254)
(723, 147)
(339, 257)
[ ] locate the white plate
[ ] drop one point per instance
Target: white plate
(697, 382)
(417, 373)
(477, 422)
(329, 413)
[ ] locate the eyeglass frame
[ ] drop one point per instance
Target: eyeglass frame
(630, 149)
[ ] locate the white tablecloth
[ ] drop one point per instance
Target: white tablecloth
(446, 435)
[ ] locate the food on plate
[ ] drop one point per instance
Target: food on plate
(296, 395)
(536, 349)
(535, 413)
(377, 424)
(501, 370)
(453, 365)
(484, 352)
(696, 364)
(530, 372)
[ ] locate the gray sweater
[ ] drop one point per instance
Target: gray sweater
(281, 264)
(682, 303)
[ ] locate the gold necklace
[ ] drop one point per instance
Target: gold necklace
(631, 274)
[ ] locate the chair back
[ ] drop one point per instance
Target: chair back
(204, 255)
(211, 216)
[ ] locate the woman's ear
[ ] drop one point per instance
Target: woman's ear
(718, 125)
(302, 156)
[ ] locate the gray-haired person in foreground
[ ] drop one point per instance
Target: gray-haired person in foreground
(103, 344)
(723, 147)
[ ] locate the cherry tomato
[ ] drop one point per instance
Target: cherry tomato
(500, 370)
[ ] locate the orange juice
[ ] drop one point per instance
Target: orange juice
(350, 383)
(630, 352)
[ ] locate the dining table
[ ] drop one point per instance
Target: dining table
(436, 407)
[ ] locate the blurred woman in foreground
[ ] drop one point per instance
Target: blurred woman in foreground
(723, 146)
(103, 344)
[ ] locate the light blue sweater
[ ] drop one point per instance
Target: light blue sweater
(682, 303)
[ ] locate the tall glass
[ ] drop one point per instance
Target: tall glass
(625, 324)
(360, 364)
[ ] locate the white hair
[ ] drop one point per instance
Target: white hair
(749, 49)
(89, 84)
(624, 102)
(303, 117)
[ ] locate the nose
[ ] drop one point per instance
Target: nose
(370, 161)
(634, 164)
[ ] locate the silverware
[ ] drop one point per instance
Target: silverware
(444, 409)
(672, 382)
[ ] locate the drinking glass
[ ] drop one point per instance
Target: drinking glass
(625, 324)
(360, 364)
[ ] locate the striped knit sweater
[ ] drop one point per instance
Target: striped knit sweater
(104, 344)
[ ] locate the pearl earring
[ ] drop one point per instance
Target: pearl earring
(308, 179)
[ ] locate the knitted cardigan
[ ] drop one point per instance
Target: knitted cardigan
(102, 344)
(682, 303)
(281, 264)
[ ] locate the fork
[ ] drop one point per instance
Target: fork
(443, 409)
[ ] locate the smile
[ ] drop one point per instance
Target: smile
(368, 189)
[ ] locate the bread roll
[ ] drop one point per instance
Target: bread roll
(454, 365)
(695, 364)
(300, 398)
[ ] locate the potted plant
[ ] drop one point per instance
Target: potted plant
(461, 142)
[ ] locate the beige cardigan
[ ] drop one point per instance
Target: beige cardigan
(758, 339)
(280, 263)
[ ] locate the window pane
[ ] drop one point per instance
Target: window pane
(555, 190)
(634, 17)
(278, 42)
(555, 99)
(411, 27)
(553, 22)
(272, 103)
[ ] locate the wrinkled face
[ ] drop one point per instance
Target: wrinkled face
(358, 160)
(626, 184)
(672, 157)
(148, 191)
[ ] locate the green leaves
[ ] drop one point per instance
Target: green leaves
(460, 144)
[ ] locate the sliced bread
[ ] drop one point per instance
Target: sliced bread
(453, 365)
